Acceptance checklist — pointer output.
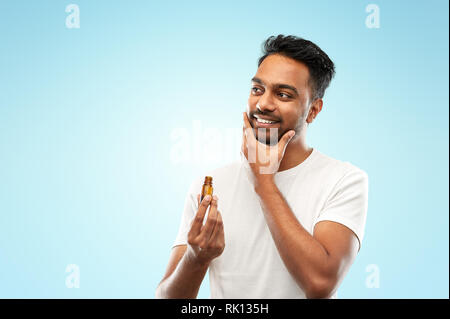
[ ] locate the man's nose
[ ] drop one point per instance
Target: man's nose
(265, 104)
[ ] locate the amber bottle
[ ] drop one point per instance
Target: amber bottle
(207, 188)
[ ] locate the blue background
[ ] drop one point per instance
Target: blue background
(87, 119)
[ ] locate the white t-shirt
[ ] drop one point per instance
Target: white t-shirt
(319, 188)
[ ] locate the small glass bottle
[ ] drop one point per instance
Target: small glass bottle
(207, 188)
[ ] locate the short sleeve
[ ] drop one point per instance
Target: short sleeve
(348, 203)
(189, 210)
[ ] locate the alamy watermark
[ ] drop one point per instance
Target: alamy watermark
(73, 279)
(73, 19)
(373, 19)
(373, 279)
(202, 145)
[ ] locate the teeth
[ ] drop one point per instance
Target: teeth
(264, 121)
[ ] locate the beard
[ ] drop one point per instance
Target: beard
(271, 136)
(268, 136)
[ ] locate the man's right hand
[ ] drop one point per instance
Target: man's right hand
(206, 242)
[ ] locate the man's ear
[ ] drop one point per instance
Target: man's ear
(316, 107)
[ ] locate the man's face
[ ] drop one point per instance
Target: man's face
(281, 90)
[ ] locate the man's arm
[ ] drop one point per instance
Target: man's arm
(183, 276)
(188, 263)
(319, 262)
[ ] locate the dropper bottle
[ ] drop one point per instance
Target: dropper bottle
(207, 188)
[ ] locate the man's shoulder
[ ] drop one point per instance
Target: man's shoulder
(226, 169)
(335, 166)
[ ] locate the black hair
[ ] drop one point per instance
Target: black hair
(321, 68)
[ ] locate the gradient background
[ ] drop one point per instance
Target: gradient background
(87, 122)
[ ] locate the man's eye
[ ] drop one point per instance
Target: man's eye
(254, 89)
(285, 95)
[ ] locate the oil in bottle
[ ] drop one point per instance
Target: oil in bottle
(207, 188)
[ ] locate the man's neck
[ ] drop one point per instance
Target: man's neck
(296, 152)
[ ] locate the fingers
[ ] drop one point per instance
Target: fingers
(217, 237)
(210, 237)
(248, 136)
(207, 230)
(246, 121)
(286, 138)
(244, 142)
(247, 129)
(198, 219)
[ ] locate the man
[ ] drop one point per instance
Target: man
(291, 218)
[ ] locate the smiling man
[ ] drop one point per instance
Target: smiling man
(291, 218)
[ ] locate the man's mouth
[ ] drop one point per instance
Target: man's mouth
(264, 121)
